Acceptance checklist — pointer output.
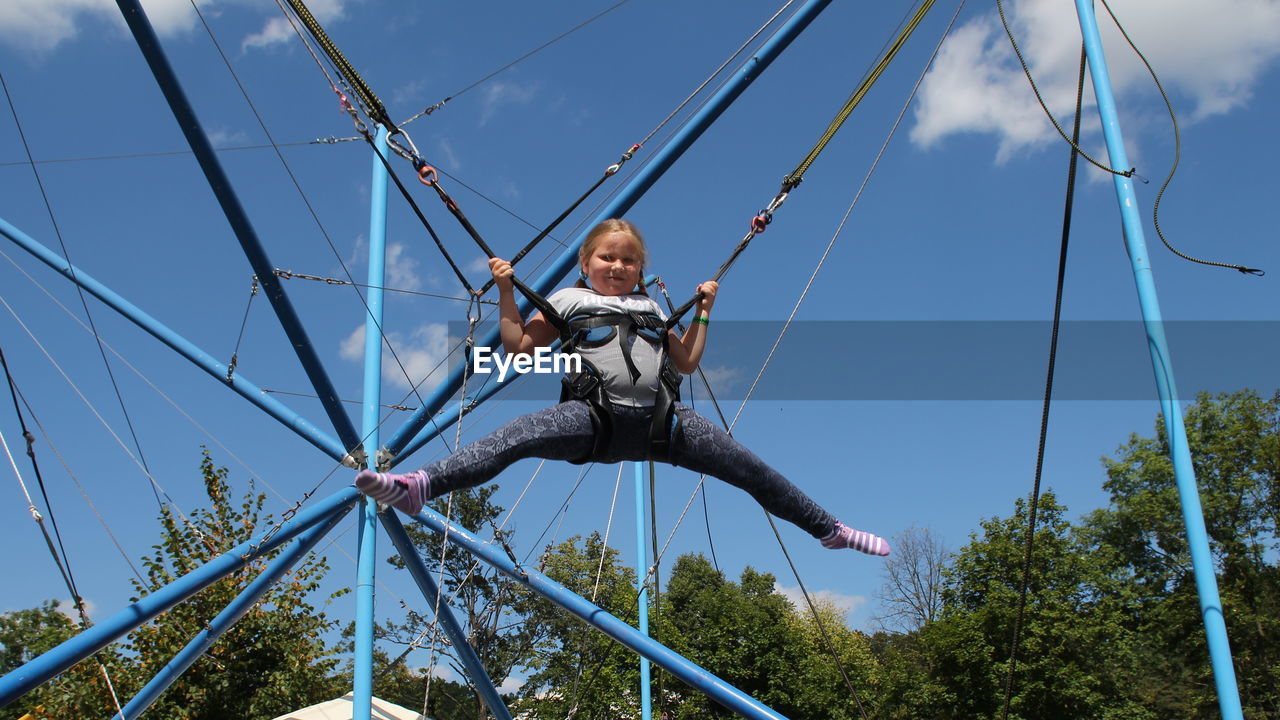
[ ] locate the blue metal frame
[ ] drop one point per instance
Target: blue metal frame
(327, 512)
(179, 344)
(1184, 472)
(228, 617)
(145, 37)
(362, 677)
(689, 672)
(42, 669)
(642, 586)
(430, 591)
(627, 196)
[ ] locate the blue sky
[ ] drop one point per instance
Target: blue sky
(960, 223)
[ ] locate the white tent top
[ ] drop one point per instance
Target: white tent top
(340, 709)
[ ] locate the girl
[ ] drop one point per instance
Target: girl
(610, 414)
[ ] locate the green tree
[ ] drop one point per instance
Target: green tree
(819, 685)
(271, 661)
(482, 598)
(1075, 650)
(1235, 447)
(80, 691)
(738, 631)
(575, 670)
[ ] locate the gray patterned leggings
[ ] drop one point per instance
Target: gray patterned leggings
(564, 432)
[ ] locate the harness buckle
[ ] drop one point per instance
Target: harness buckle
(581, 385)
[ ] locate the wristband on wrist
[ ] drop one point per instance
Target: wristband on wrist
(702, 320)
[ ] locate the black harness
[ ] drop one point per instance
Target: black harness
(596, 330)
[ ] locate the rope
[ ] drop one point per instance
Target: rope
(790, 318)
(298, 186)
(404, 192)
(1068, 204)
(290, 274)
(62, 562)
(372, 105)
(432, 108)
(156, 485)
(796, 176)
(244, 322)
(168, 153)
(79, 289)
(1026, 70)
(1177, 157)
(59, 554)
(792, 179)
(257, 477)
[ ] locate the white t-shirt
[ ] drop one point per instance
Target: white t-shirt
(608, 358)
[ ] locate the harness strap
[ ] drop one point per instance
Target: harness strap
(588, 385)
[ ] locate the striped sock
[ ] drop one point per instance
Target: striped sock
(843, 537)
(406, 493)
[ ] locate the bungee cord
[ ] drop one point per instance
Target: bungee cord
(777, 343)
(310, 207)
(1177, 157)
(613, 169)
(1033, 510)
(1074, 141)
(791, 180)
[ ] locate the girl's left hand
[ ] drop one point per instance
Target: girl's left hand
(708, 290)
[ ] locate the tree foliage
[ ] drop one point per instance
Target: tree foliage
(1111, 628)
(482, 598)
(273, 660)
(575, 670)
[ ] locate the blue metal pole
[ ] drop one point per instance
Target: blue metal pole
(41, 669)
(452, 628)
(228, 617)
(145, 36)
(1184, 472)
(692, 674)
(179, 344)
(629, 194)
(362, 681)
(642, 566)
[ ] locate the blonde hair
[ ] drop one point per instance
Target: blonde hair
(604, 228)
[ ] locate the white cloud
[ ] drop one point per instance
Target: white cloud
(721, 378)
(448, 154)
(67, 608)
(844, 603)
(499, 94)
(511, 685)
(412, 93)
(227, 138)
(1208, 55)
(402, 270)
(278, 29)
(419, 352)
(478, 264)
(40, 26)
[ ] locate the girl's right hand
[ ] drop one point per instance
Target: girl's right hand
(502, 273)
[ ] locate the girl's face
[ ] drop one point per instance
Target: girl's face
(614, 266)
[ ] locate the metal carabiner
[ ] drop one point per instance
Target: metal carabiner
(760, 222)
